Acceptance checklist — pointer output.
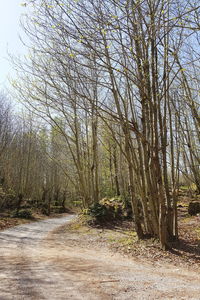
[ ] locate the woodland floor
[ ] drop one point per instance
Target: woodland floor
(120, 237)
(42, 260)
(61, 258)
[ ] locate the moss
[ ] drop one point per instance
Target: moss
(127, 238)
(183, 187)
(75, 226)
(197, 230)
(182, 204)
(187, 219)
(130, 233)
(127, 241)
(193, 187)
(112, 239)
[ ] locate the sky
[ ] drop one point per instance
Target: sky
(10, 11)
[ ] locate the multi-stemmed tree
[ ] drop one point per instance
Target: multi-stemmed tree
(118, 64)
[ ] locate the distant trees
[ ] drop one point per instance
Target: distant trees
(113, 80)
(29, 168)
(5, 126)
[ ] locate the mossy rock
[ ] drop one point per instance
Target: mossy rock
(194, 208)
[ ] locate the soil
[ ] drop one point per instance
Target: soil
(46, 260)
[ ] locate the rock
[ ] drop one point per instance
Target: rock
(194, 208)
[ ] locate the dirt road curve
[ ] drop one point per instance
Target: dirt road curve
(35, 264)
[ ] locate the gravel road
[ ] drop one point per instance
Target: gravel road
(37, 264)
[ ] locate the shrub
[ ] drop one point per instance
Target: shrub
(23, 213)
(107, 210)
(115, 207)
(98, 211)
(194, 208)
(7, 199)
(45, 211)
(95, 215)
(59, 209)
(104, 212)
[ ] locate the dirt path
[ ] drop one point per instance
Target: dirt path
(35, 264)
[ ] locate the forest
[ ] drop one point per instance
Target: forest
(108, 107)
